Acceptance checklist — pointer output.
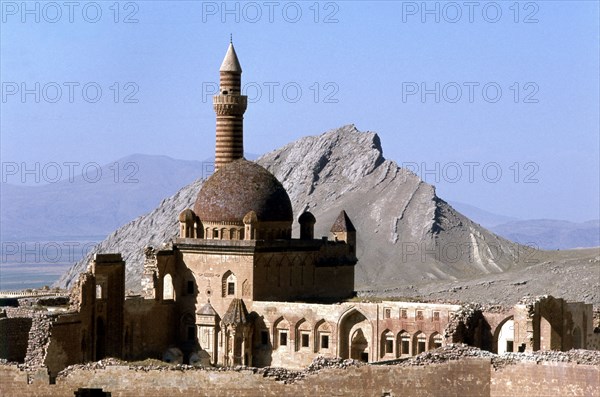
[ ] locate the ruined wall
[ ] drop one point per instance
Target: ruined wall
(14, 335)
(593, 341)
(545, 379)
(143, 341)
(65, 345)
(368, 381)
(469, 377)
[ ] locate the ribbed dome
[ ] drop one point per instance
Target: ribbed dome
(240, 187)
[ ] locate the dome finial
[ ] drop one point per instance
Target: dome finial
(230, 38)
(231, 62)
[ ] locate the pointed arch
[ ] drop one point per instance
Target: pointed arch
(403, 347)
(246, 289)
(323, 333)
(386, 344)
(228, 284)
(303, 335)
(419, 343)
(355, 335)
(187, 327)
(281, 333)
(435, 341)
(168, 288)
(504, 336)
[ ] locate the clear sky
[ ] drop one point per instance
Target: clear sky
(495, 103)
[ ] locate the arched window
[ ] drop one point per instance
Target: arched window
(404, 343)
(323, 336)
(229, 284)
(168, 291)
(435, 341)
(387, 343)
(420, 343)
(303, 335)
(246, 290)
(282, 332)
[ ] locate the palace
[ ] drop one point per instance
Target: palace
(237, 288)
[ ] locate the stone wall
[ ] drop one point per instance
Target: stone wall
(593, 341)
(546, 379)
(468, 377)
(143, 341)
(65, 345)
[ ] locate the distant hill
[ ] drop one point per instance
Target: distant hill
(551, 234)
(91, 206)
(484, 218)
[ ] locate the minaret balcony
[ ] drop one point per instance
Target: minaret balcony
(230, 99)
(230, 104)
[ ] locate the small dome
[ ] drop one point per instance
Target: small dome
(307, 218)
(239, 187)
(250, 218)
(187, 215)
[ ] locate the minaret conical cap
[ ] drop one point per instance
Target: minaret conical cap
(231, 62)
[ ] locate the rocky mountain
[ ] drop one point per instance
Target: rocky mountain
(406, 234)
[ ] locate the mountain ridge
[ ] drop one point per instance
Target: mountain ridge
(405, 232)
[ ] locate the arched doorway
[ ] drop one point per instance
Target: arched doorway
(504, 337)
(354, 336)
(504, 331)
(100, 339)
(549, 337)
(359, 346)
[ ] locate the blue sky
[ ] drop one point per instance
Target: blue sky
(530, 150)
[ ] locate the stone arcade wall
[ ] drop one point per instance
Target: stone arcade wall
(466, 378)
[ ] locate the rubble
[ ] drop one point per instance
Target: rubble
(463, 322)
(457, 351)
(278, 374)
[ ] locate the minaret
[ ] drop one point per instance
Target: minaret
(230, 106)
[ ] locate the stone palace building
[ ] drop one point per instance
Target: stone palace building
(237, 288)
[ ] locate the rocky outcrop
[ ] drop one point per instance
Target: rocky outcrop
(406, 234)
